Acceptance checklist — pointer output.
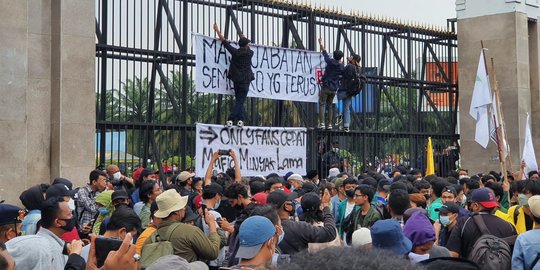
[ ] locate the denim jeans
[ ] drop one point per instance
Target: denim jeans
(240, 93)
(347, 100)
(326, 96)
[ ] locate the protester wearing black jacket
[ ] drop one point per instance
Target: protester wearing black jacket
(240, 74)
(298, 234)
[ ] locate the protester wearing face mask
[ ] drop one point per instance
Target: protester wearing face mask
(212, 195)
(63, 191)
(299, 234)
(295, 180)
(119, 180)
(56, 219)
(463, 173)
(346, 207)
(448, 215)
(419, 230)
(105, 209)
(520, 215)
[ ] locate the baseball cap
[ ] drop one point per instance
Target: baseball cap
(63, 181)
(253, 233)
(147, 172)
(310, 202)
(119, 194)
(485, 197)
(213, 189)
(168, 202)
(260, 198)
(448, 207)
(10, 214)
(137, 174)
(279, 197)
(184, 176)
(295, 177)
(450, 190)
(361, 237)
(534, 205)
(309, 187)
(58, 190)
(339, 182)
(286, 176)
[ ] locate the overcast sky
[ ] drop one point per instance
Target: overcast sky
(423, 11)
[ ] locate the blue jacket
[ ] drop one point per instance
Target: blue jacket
(332, 72)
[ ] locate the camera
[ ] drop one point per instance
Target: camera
(224, 152)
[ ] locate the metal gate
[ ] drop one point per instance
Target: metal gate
(147, 106)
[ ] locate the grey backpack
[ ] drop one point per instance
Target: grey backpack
(490, 252)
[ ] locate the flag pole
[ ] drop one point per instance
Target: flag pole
(498, 130)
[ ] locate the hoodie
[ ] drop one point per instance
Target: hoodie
(32, 199)
(418, 229)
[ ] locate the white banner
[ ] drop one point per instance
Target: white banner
(280, 73)
(260, 150)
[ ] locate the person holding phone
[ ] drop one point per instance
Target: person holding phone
(189, 242)
(215, 156)
(212, 195)
(123, 221)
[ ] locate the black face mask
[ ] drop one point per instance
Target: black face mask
(427, 196)
(349, 193)
(291, 213)
(70, 224)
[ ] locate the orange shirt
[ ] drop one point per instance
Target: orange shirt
(142, 238)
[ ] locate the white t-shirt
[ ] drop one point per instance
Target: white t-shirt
(349, 209)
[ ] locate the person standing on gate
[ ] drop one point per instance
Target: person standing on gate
(350, 86)
(240, 74)
(330, 84)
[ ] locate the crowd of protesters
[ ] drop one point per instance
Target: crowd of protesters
(226, 221)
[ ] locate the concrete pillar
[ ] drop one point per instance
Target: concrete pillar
(47, 77)
(504, 27)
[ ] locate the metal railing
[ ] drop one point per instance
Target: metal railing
(147, 106)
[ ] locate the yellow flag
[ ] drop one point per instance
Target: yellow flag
(430, 166)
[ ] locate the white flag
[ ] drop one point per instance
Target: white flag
(528, 149)
(505, 148)
(481, 100)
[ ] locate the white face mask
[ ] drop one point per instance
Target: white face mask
(416, 258)
(117, 176)
(463, 176)
(71, 204)
(335, 149)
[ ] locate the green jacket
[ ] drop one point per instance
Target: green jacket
(342, 206)
(190, 243)
(362, 222)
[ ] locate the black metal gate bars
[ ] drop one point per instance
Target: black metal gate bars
(147, 106)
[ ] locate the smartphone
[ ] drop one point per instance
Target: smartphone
(224, 152)
(203, 206)
(104, 246)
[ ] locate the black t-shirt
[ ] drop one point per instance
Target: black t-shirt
(465, 233)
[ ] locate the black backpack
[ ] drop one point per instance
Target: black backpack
(355, 85)
(490, 252)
